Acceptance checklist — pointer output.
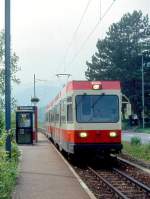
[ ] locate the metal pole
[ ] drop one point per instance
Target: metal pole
(7, 76)
(143, 113)
(34, 85)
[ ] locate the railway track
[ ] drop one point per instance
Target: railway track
(124, 181)
(139, 173)
(113, 183)
(119, 179)
(120, 184)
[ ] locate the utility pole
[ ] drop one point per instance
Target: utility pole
(34, 86)
(143, 100)
(7, 76)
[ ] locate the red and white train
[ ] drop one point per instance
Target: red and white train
(86, 117)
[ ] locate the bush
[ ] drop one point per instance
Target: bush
(1, 122)
(125, 124)
(141, 152)
(135, 141)
(147, 149)
(8, 168)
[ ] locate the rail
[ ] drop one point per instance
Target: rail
(117, 191)
(146, 188)
(104, 176)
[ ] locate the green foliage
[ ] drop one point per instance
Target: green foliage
(8, 167)
(14, 70)
(1, 121)
(135, 141)
(125, 124)
(13, 120)
(141, 152)
(119, 57)
(141, 130)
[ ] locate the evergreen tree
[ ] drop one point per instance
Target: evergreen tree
(119, 56)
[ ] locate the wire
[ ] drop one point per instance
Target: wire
(93, 30)
(82, 17)
(75, 32)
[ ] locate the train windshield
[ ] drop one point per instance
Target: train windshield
(97, 108)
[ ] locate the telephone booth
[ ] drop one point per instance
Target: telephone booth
(26, 125)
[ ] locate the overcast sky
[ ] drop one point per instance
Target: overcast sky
(41, 31)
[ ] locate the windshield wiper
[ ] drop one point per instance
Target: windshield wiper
(100, 96)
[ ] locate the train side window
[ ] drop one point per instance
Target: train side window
(69, 100)
(49, 116)
(52, 116)
(69, 110)
(57, 112)
(63, 110)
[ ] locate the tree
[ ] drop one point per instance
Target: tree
(1, 122)
(119, 56)
(14, 69)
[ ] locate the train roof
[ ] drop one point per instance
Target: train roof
(86, 85)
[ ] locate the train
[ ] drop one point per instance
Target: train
(85, 118)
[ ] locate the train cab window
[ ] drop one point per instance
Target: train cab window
(86, 105)
(97, 108)
(69, 110)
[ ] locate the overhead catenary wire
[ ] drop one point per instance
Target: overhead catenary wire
(91, 33)
(100, 8)
(76, 30)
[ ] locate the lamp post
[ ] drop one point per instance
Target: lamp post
(7, 77)
(34, 99)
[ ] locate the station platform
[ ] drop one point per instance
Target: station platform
(44, 174)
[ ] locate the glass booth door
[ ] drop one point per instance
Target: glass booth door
(24, 127)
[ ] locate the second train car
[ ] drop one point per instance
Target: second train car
(85, 117)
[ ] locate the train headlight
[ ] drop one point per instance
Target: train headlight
(83, 134)
(113, 134)
(96, 85)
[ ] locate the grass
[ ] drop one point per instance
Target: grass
(8, 168)
(139, 129)
(138, 151)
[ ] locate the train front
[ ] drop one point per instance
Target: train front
(97, 126)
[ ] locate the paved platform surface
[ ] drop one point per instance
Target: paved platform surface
(44, 175)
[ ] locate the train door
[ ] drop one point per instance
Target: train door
(24, 127)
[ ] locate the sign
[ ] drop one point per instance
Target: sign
(26, 108)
